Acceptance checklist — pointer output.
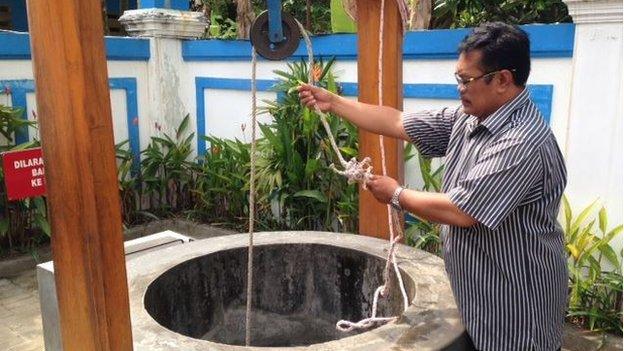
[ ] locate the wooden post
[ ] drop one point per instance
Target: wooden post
(373, 215)
(73, 104)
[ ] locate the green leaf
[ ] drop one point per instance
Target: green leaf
(603, 220)
(40, 205)
(568, 214)
(44, 225)
(312, 194)
(327, 68)
(583, 216)
(573, 250)
(349, 151)
(311, 167)
(183, 125)
(4, 226)
(608, 252)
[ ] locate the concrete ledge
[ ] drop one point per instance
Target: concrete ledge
(47, 285)
(430, 323)
(13, 266)
(164, 23)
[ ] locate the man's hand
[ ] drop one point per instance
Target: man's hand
(311, 95)
(382, 188)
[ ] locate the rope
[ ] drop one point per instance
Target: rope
(361, 172)
(354, 171)
(252, 195)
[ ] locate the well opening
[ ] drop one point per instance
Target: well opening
(300, 292)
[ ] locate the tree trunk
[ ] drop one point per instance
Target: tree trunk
(420, 14)
(105, 17)
(244, 18)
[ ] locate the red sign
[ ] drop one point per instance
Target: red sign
(24, 175)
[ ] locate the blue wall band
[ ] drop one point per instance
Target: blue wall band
(165, 4)
(20, 88)
(547, 40)
(541, 94)
(16, 46)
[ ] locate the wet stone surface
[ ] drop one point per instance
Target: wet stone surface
(300, 292)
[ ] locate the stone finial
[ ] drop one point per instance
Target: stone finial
(164, 23)
(595, 11)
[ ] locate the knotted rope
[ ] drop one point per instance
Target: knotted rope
(252, 195)
(354, 171)
(394, 222)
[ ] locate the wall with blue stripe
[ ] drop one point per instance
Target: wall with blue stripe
(212, 67)
(19, 89)
(546, 41)
(124, 54)
(540, 93)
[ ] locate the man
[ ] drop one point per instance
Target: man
(504, 177)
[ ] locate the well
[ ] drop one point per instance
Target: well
(192, 296)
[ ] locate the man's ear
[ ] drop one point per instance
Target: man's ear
(505, 79)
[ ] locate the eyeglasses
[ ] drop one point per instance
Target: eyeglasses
(466, 81)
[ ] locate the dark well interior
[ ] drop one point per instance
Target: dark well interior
(300, 291)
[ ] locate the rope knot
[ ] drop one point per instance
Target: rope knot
(355, 171)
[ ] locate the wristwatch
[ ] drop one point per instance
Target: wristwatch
(394, 201)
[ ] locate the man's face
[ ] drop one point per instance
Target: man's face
(479, 96)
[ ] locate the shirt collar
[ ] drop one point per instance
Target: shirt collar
(500, 118)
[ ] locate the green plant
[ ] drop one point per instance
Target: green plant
(11, 121)
(319, 12)
(129, 187)
(221, 189)
(420, 233)
(471, 13)
(23, 224)
(293, 167)
(167, 172)
(595, 293)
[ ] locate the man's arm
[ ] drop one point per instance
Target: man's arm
(434, 207)
(376, 119)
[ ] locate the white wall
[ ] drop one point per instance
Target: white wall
(594, 135)
(22, 70)
(586, 115)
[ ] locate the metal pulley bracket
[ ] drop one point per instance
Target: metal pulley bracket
(274, 48)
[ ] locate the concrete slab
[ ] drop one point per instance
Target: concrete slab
(47, 286)
(432, 306)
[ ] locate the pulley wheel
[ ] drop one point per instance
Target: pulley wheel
(259, 36)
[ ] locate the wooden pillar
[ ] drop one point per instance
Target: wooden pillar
(373, 215)
(74, 115)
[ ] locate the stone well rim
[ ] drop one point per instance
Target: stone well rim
(431, 316)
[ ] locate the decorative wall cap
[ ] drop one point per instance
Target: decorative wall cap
(595, 11)
(164, 23)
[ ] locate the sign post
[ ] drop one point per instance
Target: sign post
(24, 175)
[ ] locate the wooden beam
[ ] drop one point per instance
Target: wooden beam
(74, 115)
(373, 215)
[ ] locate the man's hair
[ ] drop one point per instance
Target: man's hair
(502, 46)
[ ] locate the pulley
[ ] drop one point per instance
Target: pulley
(275, 33)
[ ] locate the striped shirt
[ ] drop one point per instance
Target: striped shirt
(508, 272)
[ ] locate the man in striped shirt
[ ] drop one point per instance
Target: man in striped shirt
(503, 182)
